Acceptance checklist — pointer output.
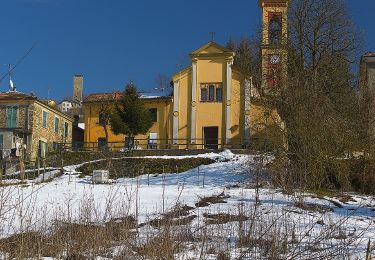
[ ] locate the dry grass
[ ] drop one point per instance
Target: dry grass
(215, 199)
(223, 218)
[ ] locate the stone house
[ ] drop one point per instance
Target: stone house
(30, 127)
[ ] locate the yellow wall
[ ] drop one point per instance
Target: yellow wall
(162, 127)
(211, 68)
(209, 113)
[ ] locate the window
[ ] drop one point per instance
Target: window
(153, 141)
(219, 94)
(44, 119)
(203, 94)
(211, 92)
(153, 114)
(66, 129)
(12, 116)
(57, 122)
(274, 28)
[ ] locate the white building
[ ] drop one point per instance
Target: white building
(65, 105)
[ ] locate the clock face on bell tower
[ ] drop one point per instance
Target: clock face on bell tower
(274, 40)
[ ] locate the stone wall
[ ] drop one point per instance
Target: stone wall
(22, 117)
(47, 134)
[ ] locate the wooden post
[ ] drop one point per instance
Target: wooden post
(38, 165)
(204, 174)
(198, 175)
(2, 171)
(22, 169)
(44, 167)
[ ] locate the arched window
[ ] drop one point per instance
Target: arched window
(275, 29)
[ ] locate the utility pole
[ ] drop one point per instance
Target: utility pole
(12, 87)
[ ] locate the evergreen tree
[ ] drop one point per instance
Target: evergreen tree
(130, 116)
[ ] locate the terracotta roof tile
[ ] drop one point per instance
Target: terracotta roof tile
(369, 54)
(16, 96)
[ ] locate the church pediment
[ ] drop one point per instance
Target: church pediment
(212, 48)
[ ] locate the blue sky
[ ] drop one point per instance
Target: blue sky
(113, 41)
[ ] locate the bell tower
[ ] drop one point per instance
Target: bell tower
(274, 43)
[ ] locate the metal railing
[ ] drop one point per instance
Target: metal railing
(155, 144)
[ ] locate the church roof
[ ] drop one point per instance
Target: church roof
(212, 48)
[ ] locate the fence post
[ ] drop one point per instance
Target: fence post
(2, 172)
(148, 177)
(204, 174)
(38, 165)
(198, 175)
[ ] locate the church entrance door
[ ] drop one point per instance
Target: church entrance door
(211, 137)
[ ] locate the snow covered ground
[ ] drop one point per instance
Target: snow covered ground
(328, 220)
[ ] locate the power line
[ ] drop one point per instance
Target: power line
(18, 62)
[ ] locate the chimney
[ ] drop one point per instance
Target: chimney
(77, 88)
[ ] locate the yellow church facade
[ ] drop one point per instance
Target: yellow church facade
(212, 104)
(210, 100)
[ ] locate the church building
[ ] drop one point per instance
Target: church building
(212, 105)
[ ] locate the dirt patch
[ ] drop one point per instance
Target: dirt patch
(346, 199)
(313, 207)
(337, 204)
(223, 218)
(131, 167)
(215, 199)
(177, 216)
(159, 222)
(178, 211)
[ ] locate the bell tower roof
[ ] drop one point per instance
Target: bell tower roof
(263, 3)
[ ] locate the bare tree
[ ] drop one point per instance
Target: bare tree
(106, 107)
(317, 101)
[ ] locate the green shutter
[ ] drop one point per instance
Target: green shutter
(66, 130)
(56, 124)
(12, 116)
(45, 119)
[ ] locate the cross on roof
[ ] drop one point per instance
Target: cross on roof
(212, 35)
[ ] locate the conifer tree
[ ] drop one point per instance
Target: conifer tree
(130, 116)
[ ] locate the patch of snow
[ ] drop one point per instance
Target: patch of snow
(149, 195)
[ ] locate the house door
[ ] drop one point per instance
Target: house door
(211, 137)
